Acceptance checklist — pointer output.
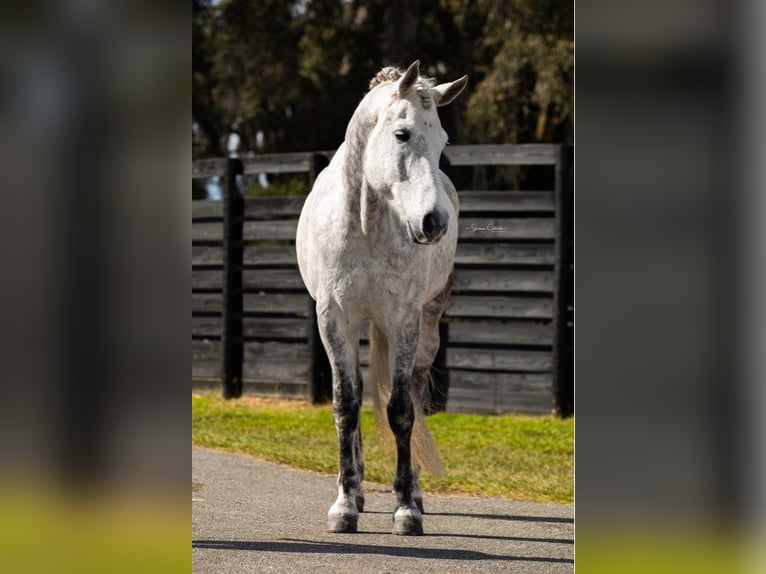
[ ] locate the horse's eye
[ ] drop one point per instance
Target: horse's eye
(402, 135)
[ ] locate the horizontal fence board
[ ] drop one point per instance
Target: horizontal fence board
(264, 229)
(270, 255)
(475, 401)
(277, 163)
(278, 303)
(525, 154)
(207, 231)
(497, 333)
(263, 361)
(291, 389)
(254, 327)
(486, 359)
(207, 255)
(207, 278)
(266, 370)
(206, 359)
(206, 369)
(276, 352)
(504, 254)
(208, 167)
(457, 155)
(499, 359)
(276, 362)
(275, 328)
(274, 279)
(495, 228)
(207, 302)
(260, 207)
(252, 279)
(502, 280)
(531, 402)
(500, 201)
(500, 307)
(470, 201)
(205, 209)
(206, 326)
(504, 228)
(504, 382)
(484, 401)
(485, 253)
(499, 392)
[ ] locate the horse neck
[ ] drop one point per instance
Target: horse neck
(362, 203)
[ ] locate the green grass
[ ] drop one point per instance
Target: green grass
(512, 456)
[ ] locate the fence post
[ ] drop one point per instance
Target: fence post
(231, 340)
(563, 318)
(320, 373)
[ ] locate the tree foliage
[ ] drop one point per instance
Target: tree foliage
(294, 70)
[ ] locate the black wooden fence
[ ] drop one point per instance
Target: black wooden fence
(507, 335)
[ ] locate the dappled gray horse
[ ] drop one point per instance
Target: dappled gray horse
(376, 244)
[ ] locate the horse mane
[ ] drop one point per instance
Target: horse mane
(392, 74)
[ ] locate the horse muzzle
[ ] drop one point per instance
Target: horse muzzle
(431, 228)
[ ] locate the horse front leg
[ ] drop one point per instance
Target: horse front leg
(341, 343)
(408, 519)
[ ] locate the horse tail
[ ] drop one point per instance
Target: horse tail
(424, 453)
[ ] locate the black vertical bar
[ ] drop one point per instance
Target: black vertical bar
(439, 391)
(231, 341)
(563, 346)
(320, 373)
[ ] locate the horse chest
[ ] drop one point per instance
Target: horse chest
(373, 272)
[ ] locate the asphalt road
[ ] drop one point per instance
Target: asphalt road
(252, 516)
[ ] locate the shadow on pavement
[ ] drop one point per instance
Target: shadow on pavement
(511, 538)
(559, 519)
(308, 546)
(519, 518)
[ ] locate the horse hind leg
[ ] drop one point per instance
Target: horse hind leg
(428, 346)
(420, 382)
(358, 448)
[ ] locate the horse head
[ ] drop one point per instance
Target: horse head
(401, 158)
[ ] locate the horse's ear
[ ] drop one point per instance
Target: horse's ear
(448, 92)
(409, 78)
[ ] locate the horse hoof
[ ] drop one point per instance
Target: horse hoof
(408, 522)
(360, 502)
(347, 524)
(408, 526)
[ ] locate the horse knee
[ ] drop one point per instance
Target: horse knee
(401, 414)
(346, 413)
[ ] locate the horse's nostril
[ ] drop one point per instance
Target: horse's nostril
(434, 225)
(429, 224)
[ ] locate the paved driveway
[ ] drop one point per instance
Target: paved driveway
(252, 516)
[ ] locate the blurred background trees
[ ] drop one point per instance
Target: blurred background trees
(287, 74)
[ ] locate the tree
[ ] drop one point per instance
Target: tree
(526, 89)
(295, 70)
